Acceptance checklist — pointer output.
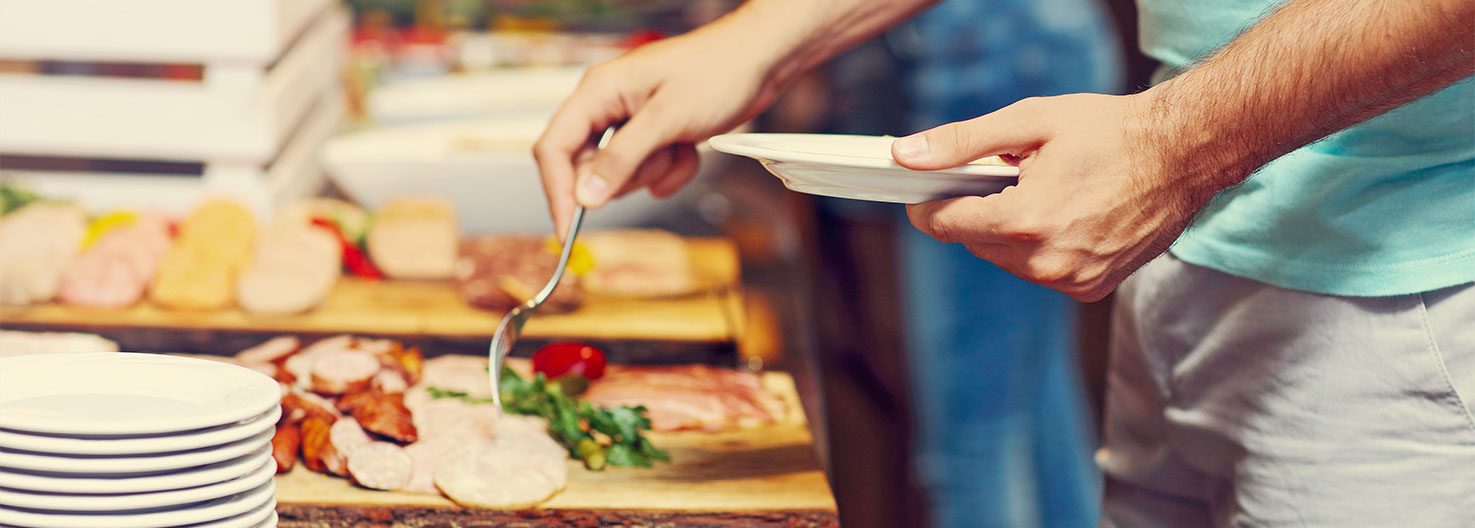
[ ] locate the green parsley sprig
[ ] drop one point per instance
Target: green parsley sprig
(598, 436)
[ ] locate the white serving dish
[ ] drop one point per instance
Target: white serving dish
(144, 463)
(136, 483)
(138, 501)
(136, 445)
(484, 166)
(229, 509)
(128, 394)
(160, 31)
(861, 168)
(504, 93)
(239, 113)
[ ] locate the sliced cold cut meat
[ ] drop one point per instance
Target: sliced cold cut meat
(36, 243)
(285, 444)
(273, 350)
(415, 238)
(498, 272)
(344, 437)
(382, 414)
(381, 466)
(291, 271)
(116, 270)
(506, 472)
(343, 372)
(638, 263)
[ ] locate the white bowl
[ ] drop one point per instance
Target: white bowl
(861, 168)
(484, 166)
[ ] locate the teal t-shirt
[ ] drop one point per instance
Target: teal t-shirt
(1386, 207)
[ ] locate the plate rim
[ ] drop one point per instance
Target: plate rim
(71, 445)
(733, 144)
(204, 420)
(153, 482)
(212, 510)
(68, 501)
(172, 462)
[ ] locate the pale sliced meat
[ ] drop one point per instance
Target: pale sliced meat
(692, 397)
(344, 438)
(425, 455)
(458, 372)
(507, 472)
(415, 238)
(341, 372)
(115, 271)
(270, 351)
(36, 244)
(390, 382)
(291, 271)
(638, 263)
(381, 466)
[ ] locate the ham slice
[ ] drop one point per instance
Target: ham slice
(415, 239)
(116, 270)
(638, 263)
(691, 397)
(292, 271)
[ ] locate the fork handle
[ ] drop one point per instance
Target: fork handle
(568, 249)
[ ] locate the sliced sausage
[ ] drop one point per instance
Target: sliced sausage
(274, 350)
(343, 372)
(316, 443)
(343, 438)
(285, 444)
(382, 414)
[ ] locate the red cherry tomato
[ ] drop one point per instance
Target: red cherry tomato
(558, 359)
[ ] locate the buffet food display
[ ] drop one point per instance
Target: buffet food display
(220, 256)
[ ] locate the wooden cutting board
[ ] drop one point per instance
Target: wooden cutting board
(707, 321)
(754, 477)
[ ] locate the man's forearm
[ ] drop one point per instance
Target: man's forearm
(801, 34)
(1311, 68)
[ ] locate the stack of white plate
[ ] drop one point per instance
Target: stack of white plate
(135, 440)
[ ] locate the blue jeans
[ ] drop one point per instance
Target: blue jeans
(1002, 439)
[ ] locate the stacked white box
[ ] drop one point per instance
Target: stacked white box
(268, 97)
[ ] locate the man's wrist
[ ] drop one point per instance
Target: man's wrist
(1191, 139)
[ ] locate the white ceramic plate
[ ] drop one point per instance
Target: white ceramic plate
(212, 510)
(861, 168)
(264, 516)
(133, 445)
(126, 483)
(127, 394)
(144, 463)
(158, 499)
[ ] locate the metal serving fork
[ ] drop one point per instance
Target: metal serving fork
(511, 326)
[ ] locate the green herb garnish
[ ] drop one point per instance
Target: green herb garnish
(598, 436)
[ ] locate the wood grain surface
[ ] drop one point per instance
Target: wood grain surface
(408, 308)
(765, 476)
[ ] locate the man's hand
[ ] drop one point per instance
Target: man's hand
(668, 95)
(1097, 196)
(1107, 183)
